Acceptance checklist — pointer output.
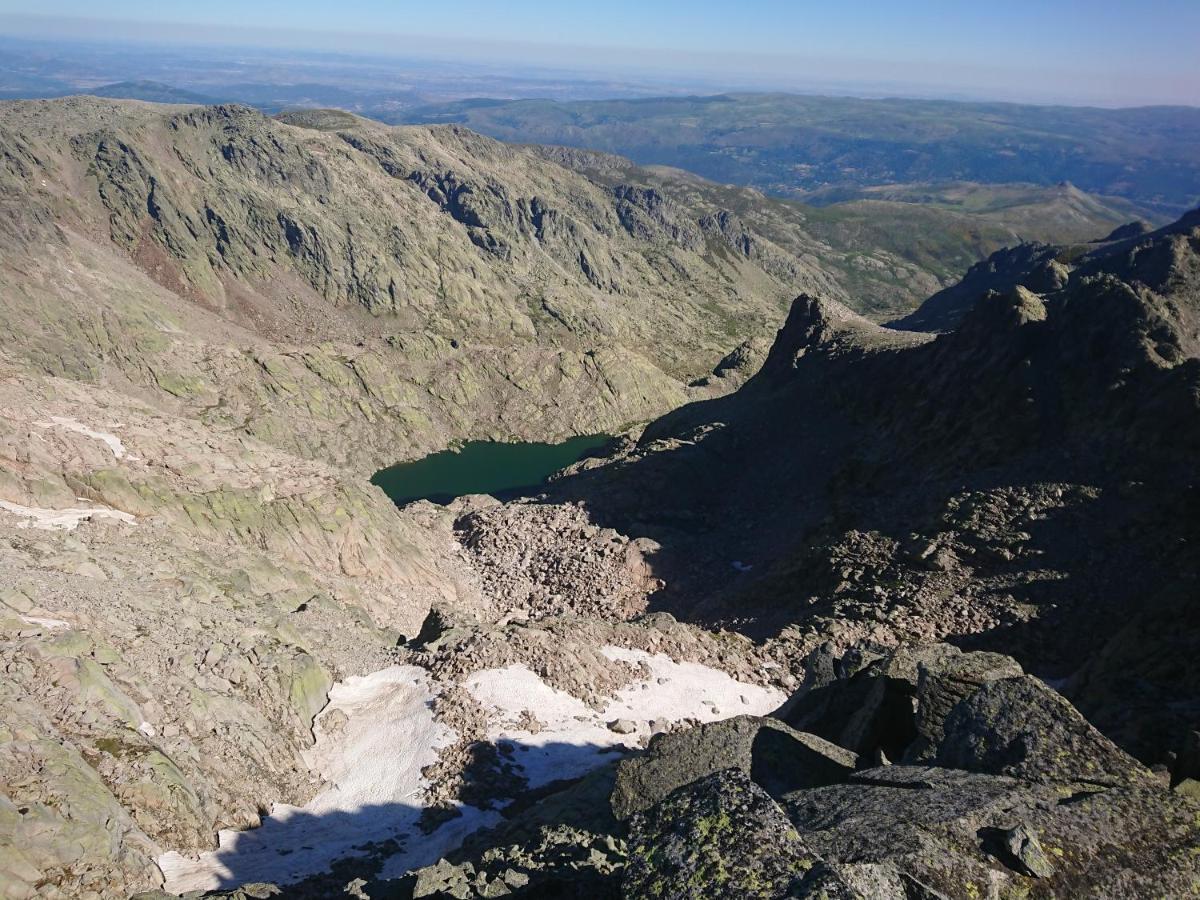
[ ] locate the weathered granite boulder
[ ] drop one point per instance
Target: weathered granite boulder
(722, 837)
(1020, 727)
(776, 757)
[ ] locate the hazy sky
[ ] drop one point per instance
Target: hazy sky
(1084, 50)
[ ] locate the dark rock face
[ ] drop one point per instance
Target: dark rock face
(1025, 483)
(1025, 799)
(721, 837)
(775, 756)
(1128, 230)
(1031, 265)
(1019, 727)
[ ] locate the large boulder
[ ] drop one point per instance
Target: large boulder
(776, 757)
(1011, 793)
(942, 684)
(1020, 727)
(966, 834)
(722, 837)
(865, 699)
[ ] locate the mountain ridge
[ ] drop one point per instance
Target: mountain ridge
(405, 249)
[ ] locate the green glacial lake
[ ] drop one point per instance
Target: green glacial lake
(482, 467)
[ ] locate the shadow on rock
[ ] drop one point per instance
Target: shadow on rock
(302, 855)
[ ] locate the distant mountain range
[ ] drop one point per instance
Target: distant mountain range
(153, 91)
(1143, 161)
(811, 147)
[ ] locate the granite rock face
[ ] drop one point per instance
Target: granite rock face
(722, 836)
(776, 756)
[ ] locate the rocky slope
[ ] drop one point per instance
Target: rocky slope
(1022, 483)
(1025, 482)
(210, 620)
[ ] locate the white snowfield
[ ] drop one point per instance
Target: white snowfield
(372, 769)
(114, 443)
(576, 738)
(372, 765)
(62, 519)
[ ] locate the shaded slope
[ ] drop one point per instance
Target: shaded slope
(1025, 482)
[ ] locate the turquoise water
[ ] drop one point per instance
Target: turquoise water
(482, 467)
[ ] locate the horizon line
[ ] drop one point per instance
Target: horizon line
(683, 70)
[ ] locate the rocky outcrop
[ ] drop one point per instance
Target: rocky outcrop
(1133, 229)
(722, 836)
(705, 813)
(546, 560)
(1034, 265)
(776, 756)
(1024, 797)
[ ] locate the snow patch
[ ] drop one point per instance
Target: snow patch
(370, 758)
(63, 519)
(114, 443)
(51, 624)
(378, 732)
(575, 738)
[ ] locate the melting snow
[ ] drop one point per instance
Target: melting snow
(62, 519)
(372, 763)
(576, 738)
(113, 442)
(372, 769)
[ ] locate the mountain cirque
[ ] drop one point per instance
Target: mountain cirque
(216, 324)
(362, 294)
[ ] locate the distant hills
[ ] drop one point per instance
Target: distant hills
(1143, 161)
(808, 147)
(153, 91)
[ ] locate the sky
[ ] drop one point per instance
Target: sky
(1099, 51)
